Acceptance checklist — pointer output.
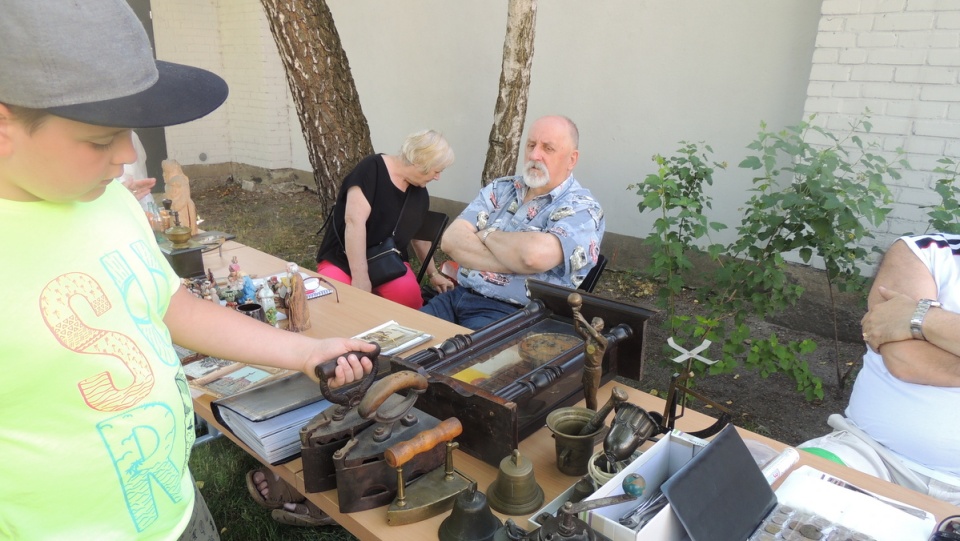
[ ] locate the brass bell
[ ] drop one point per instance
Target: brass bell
(515, 490)
(470, 520)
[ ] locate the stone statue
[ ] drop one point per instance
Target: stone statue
(178, 191)
(594, 345)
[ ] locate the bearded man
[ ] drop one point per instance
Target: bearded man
(541, 224)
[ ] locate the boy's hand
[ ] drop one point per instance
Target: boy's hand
(349, 368)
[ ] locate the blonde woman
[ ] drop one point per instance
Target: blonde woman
(385, 195)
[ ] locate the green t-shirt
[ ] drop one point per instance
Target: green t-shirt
(96, 420)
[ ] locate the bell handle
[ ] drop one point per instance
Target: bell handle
(381, 390)
(401, 453)
(350, 395)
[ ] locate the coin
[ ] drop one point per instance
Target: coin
(809, 531)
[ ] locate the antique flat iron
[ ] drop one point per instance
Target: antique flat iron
(364, 479)
(333, 428)
(434, 492)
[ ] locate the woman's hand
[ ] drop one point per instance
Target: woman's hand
(440, 282)
(362, 281)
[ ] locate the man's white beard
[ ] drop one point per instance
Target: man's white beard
(535, 175)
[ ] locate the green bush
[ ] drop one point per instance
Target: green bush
(813, 194)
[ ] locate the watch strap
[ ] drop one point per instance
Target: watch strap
(916, 321)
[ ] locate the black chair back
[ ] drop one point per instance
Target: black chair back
(434, 223)
(593, 276)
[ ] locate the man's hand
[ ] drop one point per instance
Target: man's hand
(889, 319)
(349, 367)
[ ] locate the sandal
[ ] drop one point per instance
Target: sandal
(280, 491)
(305, 514)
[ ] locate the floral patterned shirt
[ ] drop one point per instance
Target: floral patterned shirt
(569, 212)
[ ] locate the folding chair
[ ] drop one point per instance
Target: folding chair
(434, 223)
(593, 276)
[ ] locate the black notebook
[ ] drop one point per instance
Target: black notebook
(720, 494)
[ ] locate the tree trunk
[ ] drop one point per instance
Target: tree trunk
(325, 95)
(511, 108)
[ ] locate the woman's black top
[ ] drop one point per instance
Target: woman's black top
(385, 200)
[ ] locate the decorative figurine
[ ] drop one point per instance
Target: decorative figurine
(594, 345)
(249, 290)
(235, 278)
(178, 191)
(298, 316)
(265, 298)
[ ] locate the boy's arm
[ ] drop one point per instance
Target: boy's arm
(201, 325)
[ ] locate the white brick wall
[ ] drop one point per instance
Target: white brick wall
(258, 125)
(186, 31)
(900, 58)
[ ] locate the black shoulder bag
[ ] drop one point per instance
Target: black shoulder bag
(384, 261)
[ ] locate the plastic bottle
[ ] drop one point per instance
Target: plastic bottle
(780, 464)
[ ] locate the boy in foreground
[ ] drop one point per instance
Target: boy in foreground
(96, 420)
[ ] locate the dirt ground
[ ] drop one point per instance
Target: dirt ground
(285, 225)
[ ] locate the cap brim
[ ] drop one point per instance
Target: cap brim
(181, 94)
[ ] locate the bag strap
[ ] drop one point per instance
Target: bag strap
(406, 195)
(326, 222)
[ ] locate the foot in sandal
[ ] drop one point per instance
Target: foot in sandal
(302, 514)
(269, 490)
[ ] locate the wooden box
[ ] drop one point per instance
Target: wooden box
(502, 381)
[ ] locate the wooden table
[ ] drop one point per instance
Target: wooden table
(358, 311)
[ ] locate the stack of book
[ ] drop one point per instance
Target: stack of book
(268, 418)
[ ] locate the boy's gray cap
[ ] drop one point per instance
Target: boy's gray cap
(91, 61)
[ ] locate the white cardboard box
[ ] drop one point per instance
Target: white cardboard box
(656, 465)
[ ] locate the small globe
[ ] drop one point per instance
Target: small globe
(634, 484)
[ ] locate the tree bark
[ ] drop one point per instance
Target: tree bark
(511, 108)
(325, 95)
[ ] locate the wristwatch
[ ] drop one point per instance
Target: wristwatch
(916, 321)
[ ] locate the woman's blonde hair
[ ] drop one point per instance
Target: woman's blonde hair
(428, 150)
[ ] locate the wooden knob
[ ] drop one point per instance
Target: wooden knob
(401, 453)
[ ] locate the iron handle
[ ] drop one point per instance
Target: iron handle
(401, 453)
(381, 390)
(350, 395)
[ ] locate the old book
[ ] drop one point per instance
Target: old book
(394, 338)
(268, 417)
(221, 377)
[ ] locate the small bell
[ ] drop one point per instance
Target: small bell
(470, 520)
(515, 490)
